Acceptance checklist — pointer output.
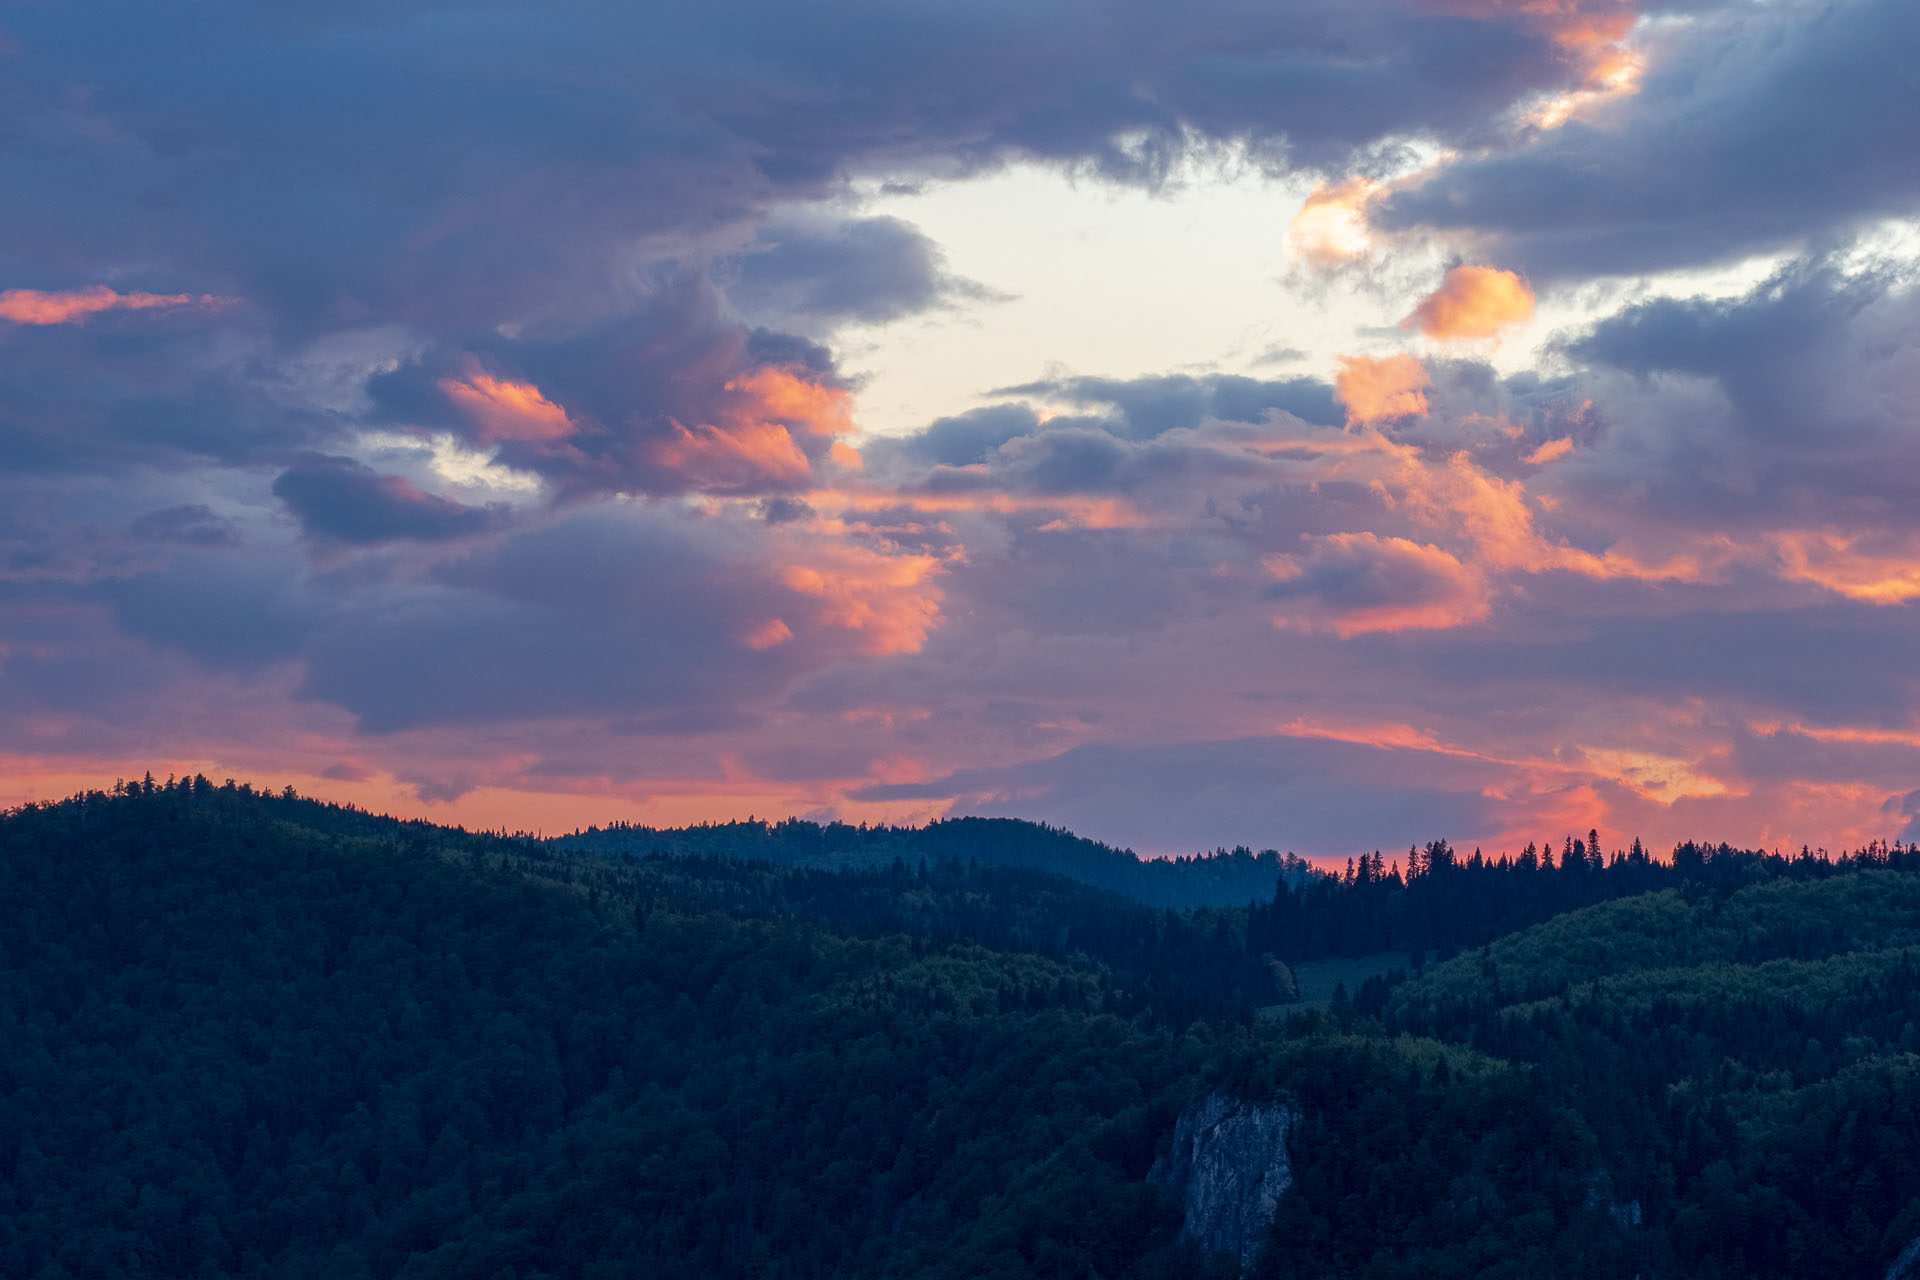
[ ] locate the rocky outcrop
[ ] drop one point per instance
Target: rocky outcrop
(1228, 1167)
(1907, 1265)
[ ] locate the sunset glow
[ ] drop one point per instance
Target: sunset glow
(1320, 429)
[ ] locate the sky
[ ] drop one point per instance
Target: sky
(1323, 426)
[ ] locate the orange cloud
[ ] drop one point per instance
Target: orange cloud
(768, 634)
(73, 306)
(1865, 567)
(888, 602)
(1473, 303)
(1374, 389)
(505, 410)
(1590, 37)
(1487, 522)
(755, 440)
(1549, 451)
(746, 455)
(1653, 776)
(1494, 517)
(776, 393)
(1331, 230)
(1392, 734)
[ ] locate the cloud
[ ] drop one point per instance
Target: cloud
(227, 611)
(435, 194)
(1804, 353)
(1473, 304)
(346, 501)
(1755, 129)
(889, 602)
(1877, 567)
(1906, 806)
(676, 397)
(1351, 583)
(74, 306)
(1330, 231)
(964, 439)
(503, 410)
(863, 270)
(194, 524)
(1375, 389)
(768, 634)
(178, 397)
(1549, 451)
(743, 457)
(613, 610)
(1150, 406)
(605, 292)
(1307, 796)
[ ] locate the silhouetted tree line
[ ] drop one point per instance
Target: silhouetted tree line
(1438, 901)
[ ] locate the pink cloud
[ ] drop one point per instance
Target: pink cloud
(502, 409)
(1473, 304)
(75, 306)
(1374, 389)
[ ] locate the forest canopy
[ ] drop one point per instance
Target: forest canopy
(245, 1033)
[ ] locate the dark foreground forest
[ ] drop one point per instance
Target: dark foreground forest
(250, 1034)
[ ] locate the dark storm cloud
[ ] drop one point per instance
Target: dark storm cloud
(145, 389)
(1149, 406)
(347, 501)
(964, 439)
(608, 613)
(347, 166)
(1759, 128)
(194, 524)
(869, 270)
(1788, 355)
(1792, 403)
(225, 611)
(1310, 796)
(1134, 433)
(612, 613)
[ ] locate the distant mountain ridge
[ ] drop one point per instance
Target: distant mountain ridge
(1224, 878)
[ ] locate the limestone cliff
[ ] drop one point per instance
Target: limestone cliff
(1229, 1167)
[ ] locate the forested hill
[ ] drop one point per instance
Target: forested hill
(1224, 878)
(253, 1035)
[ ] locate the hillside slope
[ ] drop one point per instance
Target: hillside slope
(1225, 878)
(248, 1034)
(253, 1036)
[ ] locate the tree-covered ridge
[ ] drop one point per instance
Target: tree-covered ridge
(1183, 965)
(1443, 900)
(1746, 1065)
(1224, 878)
(250, 1034)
